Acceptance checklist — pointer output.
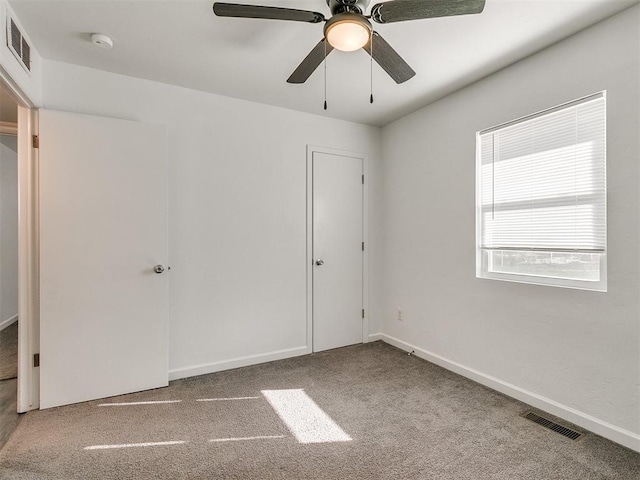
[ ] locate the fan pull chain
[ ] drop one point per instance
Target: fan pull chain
(371, 70)
(325, 74)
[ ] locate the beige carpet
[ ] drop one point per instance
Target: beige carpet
(405, 418)
(8, 417)
(9, 352)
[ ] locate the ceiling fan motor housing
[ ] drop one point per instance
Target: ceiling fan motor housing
(348, 6)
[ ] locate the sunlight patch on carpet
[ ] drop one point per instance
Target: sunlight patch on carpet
(242, 439)
(134, 445)
(304, 418)
(126, 404)
(225, 399)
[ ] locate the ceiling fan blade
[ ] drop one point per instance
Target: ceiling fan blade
(388, 59)
(310, 62)
(273, 13)
(402, 10)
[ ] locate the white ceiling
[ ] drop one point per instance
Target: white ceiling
(182, 42)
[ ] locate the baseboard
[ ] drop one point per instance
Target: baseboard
(9, 321)
(203, 369)
(374, 337)
(616, 434)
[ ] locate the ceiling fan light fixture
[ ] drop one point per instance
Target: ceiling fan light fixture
(348, 31)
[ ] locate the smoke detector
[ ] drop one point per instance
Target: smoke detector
(101, 40)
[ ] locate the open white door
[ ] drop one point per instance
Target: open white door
(103, 229)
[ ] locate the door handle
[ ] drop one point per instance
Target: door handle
(158, 269)
(319, 262)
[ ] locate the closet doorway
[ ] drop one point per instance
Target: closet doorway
(337, 287)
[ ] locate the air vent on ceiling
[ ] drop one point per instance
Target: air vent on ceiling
(18, 44)
(551, 425)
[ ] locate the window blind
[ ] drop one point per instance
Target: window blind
(543, 180)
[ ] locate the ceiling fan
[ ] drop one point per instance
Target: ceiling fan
(349, 29)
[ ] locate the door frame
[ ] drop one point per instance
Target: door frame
(311, 149)
(28, 264)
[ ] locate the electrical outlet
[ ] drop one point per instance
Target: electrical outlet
(399, 315)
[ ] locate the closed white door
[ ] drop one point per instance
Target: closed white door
(337, 250)
(103, 229)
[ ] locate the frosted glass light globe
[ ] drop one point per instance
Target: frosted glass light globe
(347, 31)
(348, 36)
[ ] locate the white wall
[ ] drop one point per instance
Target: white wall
(237, 196)
(574, 353)
(8, 231)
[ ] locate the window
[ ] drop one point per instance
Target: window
(541, 197)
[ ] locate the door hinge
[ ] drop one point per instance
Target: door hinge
(363, 313)
(36, 141)
(36, 360)
(363, 179)
(363, 246)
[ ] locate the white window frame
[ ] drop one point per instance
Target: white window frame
(483, 255)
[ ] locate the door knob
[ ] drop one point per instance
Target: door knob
(158, 269)
(319, 262)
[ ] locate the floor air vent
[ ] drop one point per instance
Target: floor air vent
(556, 427)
